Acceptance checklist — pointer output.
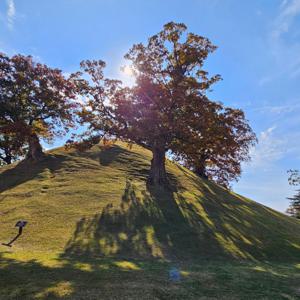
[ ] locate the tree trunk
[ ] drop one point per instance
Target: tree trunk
(200, 170)
(35, 150)
(158, 175)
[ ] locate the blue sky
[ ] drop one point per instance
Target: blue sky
(258, 58)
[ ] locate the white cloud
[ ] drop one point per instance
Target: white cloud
(283, 109)
(290, 8)
(278, 109)
(270, 148)
(274, 144)
(10, 13)
(264, 135)
(288, 11)
(283, 42)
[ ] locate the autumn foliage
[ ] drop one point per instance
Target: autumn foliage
(35, 101)
(168, 109)
(224, 143)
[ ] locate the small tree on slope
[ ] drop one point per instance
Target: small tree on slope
(226, 141)
(294, 207)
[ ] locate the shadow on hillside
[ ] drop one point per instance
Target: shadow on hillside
(161, 223)
(147, 224)
(136, 165)
(109, 154)
(27, 170)
(244, 228)
(101, 260)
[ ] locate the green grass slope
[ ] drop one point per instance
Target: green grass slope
(94, 226)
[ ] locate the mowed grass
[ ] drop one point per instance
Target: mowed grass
(97, 231)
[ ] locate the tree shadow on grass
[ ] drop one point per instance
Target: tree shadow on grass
(112, 278)
(135, 164)
(121, 252)
(48, 167)
(110, 154)
(162, 222)
(148, 223)
(27, 170)
(72, 279)
(245, 228)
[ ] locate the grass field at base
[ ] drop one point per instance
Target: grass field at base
(46, 277)
(96, 230)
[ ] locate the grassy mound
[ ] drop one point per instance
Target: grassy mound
(91, 217)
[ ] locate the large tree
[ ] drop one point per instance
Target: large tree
(167, 108)
(35, 101)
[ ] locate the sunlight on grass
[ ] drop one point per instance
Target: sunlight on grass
(268, 270)
(199, 209)
(236, 233)
(83, 267)
(108, 247)
(61, 289)
(46, 259)
(260, 269)
(296, 245)
(231, 247)
(152, 242)
(127, 265)
(185, 273)
(123, 236)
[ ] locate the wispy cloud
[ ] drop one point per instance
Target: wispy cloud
(283, 42)
(269, 148)
(278, 109)
(10, 13)
(265, 178)
(288, 11)
(274, 145)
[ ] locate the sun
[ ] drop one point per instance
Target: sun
(127, 70)
(127, 75)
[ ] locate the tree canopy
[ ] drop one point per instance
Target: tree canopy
(224, 143)
(168, 107)
(12, 147)
(35, 101)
